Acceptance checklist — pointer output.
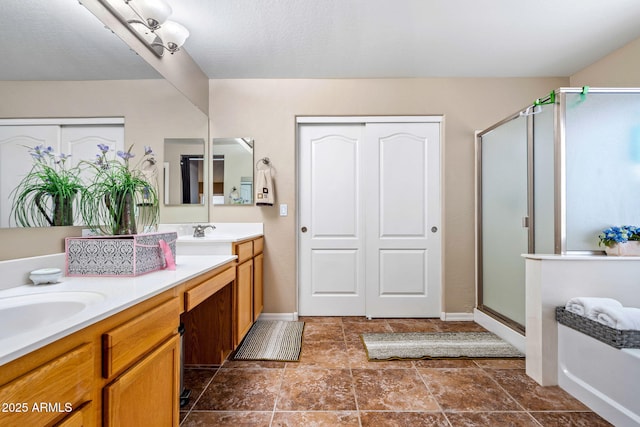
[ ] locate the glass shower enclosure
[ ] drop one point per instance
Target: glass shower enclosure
(549, 179)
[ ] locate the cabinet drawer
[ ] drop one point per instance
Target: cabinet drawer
(81, 417)
(66, 379)
(125, 344)
(258, 245)
(196, 295)
(244, 251)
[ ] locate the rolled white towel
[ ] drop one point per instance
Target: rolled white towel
(584, 306)
(622, 318)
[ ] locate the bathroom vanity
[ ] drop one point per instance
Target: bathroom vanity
(118, 359)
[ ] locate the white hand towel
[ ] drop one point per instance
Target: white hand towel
(584, 306)
(264, 188)
(622, 318)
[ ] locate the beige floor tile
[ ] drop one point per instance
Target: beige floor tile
(403, 419)
(316, 390)
(334, 384)
(322, 332)
(321, 354)
(573, 419)
(484, 419)
(227, 419)
(467, 389)
(242, 390)
(392, 390)
(315, 419)
(531, 395)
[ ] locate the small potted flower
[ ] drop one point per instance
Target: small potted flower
(122, 196)
(48, 194)
(621, 241)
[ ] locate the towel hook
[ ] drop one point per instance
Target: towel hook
(264, 161)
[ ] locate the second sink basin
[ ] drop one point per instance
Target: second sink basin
(27, 312)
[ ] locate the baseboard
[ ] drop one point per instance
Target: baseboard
(279, 316)
(500, 329)
(456, 317)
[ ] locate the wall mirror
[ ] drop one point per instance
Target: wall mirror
(151, 108)
(184, 171)
(232, 171)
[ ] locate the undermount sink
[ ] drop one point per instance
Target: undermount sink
(28, 312)
(220, 237)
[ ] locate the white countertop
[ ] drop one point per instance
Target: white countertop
(216, 237)
(222, 232)
(579, 257)
(119, 294)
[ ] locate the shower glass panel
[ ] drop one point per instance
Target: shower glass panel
(543, 180)
(504, 180)
(602, 145)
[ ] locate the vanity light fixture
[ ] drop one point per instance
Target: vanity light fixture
(149, 21)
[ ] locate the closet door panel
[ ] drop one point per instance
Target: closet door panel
(331, 255)
(16, 162)
(403, 243)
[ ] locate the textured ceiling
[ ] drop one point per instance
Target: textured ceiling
(58, 39)
(62, 40)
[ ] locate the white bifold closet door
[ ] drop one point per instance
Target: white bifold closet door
(80, 141)
(369, 217)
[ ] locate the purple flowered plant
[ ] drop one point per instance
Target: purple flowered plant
(45, 196)
(116, 181)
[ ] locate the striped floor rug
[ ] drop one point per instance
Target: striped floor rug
(272, 340)
(437, 345)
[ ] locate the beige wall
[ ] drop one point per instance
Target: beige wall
(618, 69)
(266, 110)
(152, 109)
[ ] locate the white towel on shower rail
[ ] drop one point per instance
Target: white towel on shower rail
(622, 318)
(590, 306)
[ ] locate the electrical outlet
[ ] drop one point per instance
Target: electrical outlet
(284, 210)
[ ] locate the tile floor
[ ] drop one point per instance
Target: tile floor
(333, 384)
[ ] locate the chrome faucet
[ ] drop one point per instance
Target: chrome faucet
(198, 230)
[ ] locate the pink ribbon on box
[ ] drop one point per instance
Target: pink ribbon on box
(170, 263)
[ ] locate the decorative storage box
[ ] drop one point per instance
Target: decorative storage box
(130, 255)
(614, 337)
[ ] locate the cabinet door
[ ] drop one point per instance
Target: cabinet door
(258, 294)
(244, 299)
(147, 393)
(40, 397)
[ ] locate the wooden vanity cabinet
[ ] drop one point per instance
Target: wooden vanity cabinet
(122, 370)
(248, 294)
(147, 393)
(144, 353)
(208, 317)
(52, 392)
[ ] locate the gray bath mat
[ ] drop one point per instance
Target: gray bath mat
(437, 345)
(272, 340)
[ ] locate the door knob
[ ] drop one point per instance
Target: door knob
(434, 229)
(303, 229)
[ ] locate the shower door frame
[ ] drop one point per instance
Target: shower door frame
(560, 183)
(530, 222)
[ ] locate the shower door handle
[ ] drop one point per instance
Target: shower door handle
(525, 222)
